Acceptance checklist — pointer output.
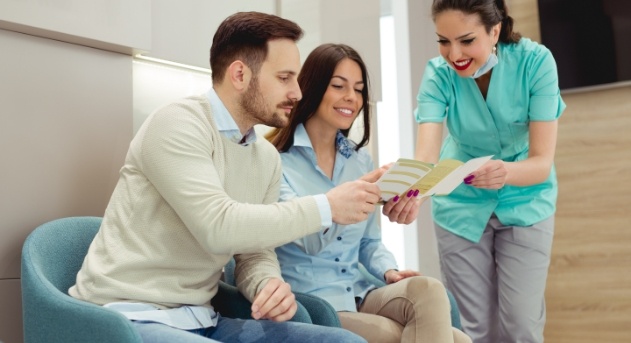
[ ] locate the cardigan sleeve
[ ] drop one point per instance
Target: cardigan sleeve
(253, 270)
(176, 158)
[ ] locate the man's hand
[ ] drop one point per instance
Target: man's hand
(403, 210)
(374, 175)
(275, 302)
(393, 276)
(352, 202)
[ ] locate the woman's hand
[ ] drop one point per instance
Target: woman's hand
(404, 209)
(393, 275)
(492, 175)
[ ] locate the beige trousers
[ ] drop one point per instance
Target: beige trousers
(415, 309)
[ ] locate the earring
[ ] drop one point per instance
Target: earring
(494, 50)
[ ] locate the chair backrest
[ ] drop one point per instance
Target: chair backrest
(51, 257)
(55, 250)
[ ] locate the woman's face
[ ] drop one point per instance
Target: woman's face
(343, 97)
(463, 40)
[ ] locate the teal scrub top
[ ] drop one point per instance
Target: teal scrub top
(523, 88)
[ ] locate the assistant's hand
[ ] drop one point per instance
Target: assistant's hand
(403, 210)
(275, 302)
(393, 276)
(352, 202)
(492, 175)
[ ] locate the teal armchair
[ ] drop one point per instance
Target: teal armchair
(319, 311)
(51, 257)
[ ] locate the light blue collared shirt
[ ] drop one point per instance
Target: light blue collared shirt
(185, 317)
(325, 264)
(225, 123)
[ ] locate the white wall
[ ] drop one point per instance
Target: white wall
(69, 99)
(64, 130)
(182, 30)
(352, 22)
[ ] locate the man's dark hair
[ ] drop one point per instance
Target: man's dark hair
(243, 36)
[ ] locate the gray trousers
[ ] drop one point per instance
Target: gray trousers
(499, 283)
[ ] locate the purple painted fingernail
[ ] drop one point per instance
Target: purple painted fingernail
(410, 192)
(468, 179)
(416, 192)
(395, 199)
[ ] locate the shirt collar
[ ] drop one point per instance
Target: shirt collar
(344, 147)
(301, 138)
(225, 123)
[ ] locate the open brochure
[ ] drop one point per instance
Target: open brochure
(430, 179)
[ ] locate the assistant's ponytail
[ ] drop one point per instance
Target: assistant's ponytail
(507, 35)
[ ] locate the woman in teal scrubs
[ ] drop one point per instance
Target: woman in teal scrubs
(498, 95)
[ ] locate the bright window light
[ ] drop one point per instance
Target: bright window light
(388, 132)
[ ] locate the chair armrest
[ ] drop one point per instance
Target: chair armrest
(230, 303)
(455, 311)
(320, 311)
(50, 315)
(61, 318)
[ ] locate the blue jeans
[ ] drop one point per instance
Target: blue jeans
(230, 330)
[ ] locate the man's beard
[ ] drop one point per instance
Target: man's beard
(254, 106)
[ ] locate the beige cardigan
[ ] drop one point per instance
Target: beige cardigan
(187, 200)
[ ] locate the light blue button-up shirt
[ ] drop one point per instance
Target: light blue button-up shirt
(523, 88)
(225, 123)
(325, 264)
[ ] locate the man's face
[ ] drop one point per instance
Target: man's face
(272, 93)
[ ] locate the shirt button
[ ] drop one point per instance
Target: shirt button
(343, 270)
(337, 259)
(339, 238)
(348, 289)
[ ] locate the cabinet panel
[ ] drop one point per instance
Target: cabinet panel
(10, 311)
(115, 25)
(65, 128)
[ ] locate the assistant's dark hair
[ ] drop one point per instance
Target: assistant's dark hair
(314, 79)
(491, 13)
(244, 36)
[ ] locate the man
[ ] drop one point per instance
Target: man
(198, 188)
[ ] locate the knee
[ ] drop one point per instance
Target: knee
(426, 286)
(423, 289)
